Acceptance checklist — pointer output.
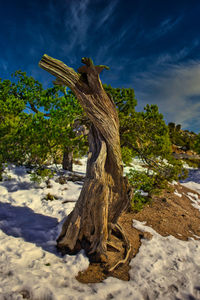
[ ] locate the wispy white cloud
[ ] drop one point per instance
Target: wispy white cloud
(176, 90)
(163, 28)
(77, 23)
(80, 21)
(107, 13)
(168, 25)
(166, 58)
(4, 65)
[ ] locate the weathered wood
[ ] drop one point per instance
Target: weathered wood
(104, 193)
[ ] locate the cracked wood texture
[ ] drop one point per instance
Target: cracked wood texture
(104, 193)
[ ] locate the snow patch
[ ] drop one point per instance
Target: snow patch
(177, 193)
(195, 200)
(31, 267)
(165, 267)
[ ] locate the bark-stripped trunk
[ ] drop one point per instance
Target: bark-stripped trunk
(67, 162)
(104, 193)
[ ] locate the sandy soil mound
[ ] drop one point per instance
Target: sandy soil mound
(172, 213)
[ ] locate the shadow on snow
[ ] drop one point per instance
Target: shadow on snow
(14, 185)
(19, 221)
(194, 175)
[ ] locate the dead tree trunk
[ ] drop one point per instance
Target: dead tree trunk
(93, 221)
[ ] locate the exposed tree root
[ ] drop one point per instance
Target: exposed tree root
(111, 245)
(117, 229)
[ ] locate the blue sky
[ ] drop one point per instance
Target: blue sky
(152, 46)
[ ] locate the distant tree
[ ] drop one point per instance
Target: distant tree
(197, 144)
(178, 127)
(171, 126)
(182, 138)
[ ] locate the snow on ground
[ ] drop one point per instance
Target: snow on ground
(193, 183)
(166, 268)
(193, 180)
(136, 165)
(30, 266)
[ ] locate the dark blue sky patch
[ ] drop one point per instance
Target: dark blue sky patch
(147, 44)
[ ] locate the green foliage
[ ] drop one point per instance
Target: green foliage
(182, 138)
(178, 127)
(171, 126)
(139, 201)
(154, 181)
(1, 168)
(49, 197)
(124, 100)
(150, 137)
(197, 144)
(40, 174)
(37, 124)
(142, 183)
(127, 155)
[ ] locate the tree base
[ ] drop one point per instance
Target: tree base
(97, 272)
(118, 250)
